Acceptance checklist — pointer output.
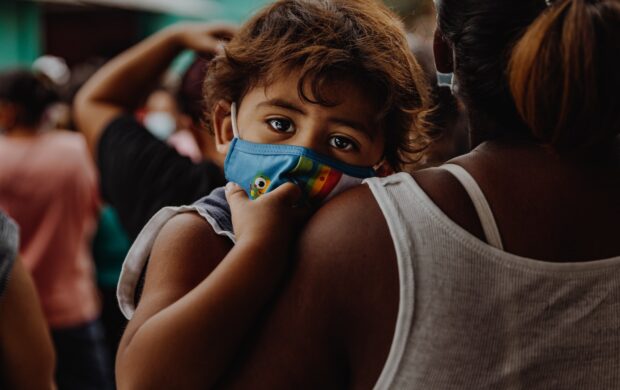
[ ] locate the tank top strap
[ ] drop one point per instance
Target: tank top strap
(487, 220)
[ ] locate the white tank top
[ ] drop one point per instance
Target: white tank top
(472, 316)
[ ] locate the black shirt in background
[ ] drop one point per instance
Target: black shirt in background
(140, 174)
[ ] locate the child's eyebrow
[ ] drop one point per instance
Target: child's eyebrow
(357, 126)
(282, 104)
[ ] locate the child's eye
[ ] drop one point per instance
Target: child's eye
(342, 143)
(281, 125)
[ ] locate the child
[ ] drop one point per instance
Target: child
(321, 94)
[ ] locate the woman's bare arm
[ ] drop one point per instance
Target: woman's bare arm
(332, 324)
(26, 351)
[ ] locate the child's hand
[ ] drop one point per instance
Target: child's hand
(272, 219)
(206, 38)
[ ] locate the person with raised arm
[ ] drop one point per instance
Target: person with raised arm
(140, 174)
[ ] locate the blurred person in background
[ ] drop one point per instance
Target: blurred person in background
(58, 76)
(48, 184)
(111, 243)
(139, 173)
(161, 116)
(110, 246)
(26, 352)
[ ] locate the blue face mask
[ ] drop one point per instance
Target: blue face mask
(260, 168)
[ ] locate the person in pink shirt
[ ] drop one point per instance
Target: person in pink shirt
(167, 123)
(48, 185)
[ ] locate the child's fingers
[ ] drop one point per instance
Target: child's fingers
(234, 193)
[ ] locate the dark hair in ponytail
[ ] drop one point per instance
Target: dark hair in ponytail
(28, 93)
(482, 34)
(565, 74)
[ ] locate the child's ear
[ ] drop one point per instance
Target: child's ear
(222, 126)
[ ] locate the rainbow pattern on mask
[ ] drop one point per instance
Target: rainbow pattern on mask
(321, 179)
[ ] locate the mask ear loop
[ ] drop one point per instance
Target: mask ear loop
(233, 119)
(379, 164)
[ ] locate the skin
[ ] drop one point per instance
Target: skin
(276, 114)
(25, 343)
(161, 101)
(196, 282)
(332, 322)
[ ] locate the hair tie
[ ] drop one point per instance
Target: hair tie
(549, 3)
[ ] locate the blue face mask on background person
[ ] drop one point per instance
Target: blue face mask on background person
(260, 168)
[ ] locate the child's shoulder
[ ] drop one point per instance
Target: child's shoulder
(189, 241)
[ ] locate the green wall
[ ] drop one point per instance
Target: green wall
(228, 10)
(238, 10)
(20, 40)
(20, 26)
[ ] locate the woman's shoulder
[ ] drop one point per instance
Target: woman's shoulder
(342, 295)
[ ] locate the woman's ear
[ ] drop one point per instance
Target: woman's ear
(222, 126)
(444, 56)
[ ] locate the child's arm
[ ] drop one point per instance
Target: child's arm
(188, 326)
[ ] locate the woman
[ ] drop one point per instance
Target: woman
(48, 186)
(416, 282)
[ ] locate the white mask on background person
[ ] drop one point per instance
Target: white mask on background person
(447, 80)
(160, 123)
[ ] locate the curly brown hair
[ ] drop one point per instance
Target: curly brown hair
(327, 39)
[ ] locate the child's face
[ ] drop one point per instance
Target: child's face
(348, 132)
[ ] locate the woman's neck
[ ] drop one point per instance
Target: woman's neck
(483, 128)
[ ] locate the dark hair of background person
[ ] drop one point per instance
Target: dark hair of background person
(189, 95)
(320, 40)
(28, 93)
(565, 74)
(80, 74)
(482, 34)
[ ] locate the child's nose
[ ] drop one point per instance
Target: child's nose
(312, 140)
